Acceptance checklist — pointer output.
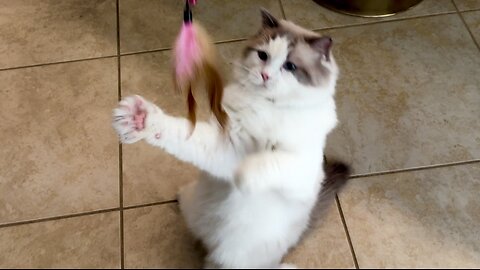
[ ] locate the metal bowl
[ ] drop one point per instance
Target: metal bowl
(368, 8)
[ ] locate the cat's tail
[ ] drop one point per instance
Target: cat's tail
(337, 174)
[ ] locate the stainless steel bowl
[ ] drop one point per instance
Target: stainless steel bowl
(368, 8)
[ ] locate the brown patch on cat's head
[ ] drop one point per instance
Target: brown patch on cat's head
(307, 49)
(308, 55)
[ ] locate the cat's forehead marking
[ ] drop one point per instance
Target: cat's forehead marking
(286, 31)
(278, 47)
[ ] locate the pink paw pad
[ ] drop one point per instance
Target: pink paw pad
(139, 115)
(139, 119)
(158, 136)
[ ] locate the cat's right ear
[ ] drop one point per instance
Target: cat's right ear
(268, 20)
(321, 44)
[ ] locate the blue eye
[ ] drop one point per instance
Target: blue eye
(289, 66)
(262, 55)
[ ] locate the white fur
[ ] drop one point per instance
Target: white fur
(262, 177)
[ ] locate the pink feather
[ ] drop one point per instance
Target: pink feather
(187, 52)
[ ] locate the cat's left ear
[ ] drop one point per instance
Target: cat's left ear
(268, 20)
(321, 44)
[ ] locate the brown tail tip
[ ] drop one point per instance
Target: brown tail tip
(336, 175)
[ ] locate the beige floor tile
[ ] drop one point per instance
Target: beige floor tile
(472, 19)
(467, 4)
(81, 242)
(59, 153)
(408, 94)
(324, 246)
(311, 15)
(44, 31)
(153, 24)
(156, 237)
(151, 175)
(421, 219)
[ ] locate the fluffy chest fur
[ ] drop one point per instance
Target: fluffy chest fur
(265, 124)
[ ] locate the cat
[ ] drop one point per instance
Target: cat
(262, 176)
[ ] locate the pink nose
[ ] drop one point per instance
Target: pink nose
(264, 76)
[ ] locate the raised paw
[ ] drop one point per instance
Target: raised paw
(129, 119)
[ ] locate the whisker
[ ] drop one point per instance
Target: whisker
(241, 66)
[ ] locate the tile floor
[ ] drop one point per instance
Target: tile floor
(70, 196)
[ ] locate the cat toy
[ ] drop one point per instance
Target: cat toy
(194, 62)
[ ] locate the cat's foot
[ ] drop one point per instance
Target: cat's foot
(129, 118)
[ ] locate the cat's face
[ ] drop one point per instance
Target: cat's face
(284, 57)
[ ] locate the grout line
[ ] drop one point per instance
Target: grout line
(120, 149)
(149, 204)
(468, 10)
(345, 228)
(382, 21)
(466, 25)
(169, 48)
(122, 242)
(145, 51)
(460, 11)
(419, 168)
(59, 217)
(59, 62)
(119, 97)
(102, 211)
(454, 5)
(282, 9)
(230, 40)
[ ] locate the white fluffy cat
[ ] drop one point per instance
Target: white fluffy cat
(263, 176)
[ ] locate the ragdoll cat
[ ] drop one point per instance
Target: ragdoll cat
(263, 175)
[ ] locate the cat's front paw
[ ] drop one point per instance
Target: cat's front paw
(129, 118)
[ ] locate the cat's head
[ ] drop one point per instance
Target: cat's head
(284, 57)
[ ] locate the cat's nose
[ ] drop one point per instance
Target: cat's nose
(265, 76)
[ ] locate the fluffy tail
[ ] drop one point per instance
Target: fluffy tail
(336, 176)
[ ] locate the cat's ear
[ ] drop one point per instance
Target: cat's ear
(321, 44)
(268, 20)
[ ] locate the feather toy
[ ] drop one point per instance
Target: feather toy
(194, 62)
